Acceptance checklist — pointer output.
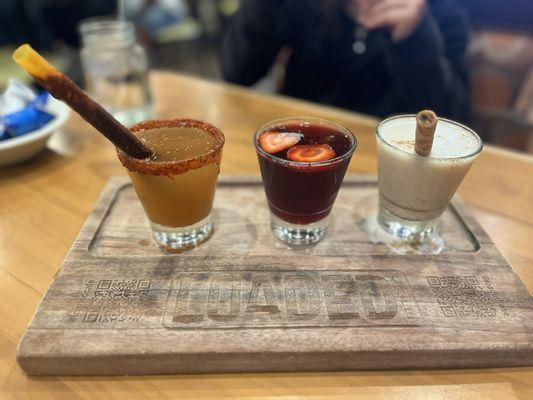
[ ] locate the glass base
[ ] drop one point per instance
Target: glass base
(177, 240)
(403, 236)
(296, 234)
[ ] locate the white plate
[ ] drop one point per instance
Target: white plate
(16, 150)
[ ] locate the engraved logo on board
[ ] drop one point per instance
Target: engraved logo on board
(290, 298)
(263, 299)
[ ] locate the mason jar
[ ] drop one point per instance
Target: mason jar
(115, 68)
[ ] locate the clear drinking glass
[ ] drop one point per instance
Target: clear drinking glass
(301, 194)
(177, 194)
(116, 68)
(413, 190)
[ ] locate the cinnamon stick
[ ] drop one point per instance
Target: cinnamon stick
(426, 123)
(64, 88)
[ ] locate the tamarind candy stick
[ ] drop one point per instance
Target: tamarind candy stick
(426, 123)
(64, 88)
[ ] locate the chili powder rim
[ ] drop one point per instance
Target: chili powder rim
(160, 168)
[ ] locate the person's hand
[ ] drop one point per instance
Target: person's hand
(400, 16)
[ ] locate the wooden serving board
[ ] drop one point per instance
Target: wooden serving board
(244, 301)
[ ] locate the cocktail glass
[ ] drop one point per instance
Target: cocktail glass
(301, 194)
(177, 195)
(413, 190)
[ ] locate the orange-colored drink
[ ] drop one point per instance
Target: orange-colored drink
(177, 185)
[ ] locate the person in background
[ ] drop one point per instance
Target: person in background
(379, 57)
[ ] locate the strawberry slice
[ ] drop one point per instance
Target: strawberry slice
(310, 152)
(274, 142)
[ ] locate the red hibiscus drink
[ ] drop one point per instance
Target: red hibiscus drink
(303, 162)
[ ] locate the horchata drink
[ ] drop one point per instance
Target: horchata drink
(303, 162)
(417, 183)
(176, 186)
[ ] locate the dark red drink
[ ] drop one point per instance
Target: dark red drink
(303, 169)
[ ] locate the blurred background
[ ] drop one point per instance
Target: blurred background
(186, 36)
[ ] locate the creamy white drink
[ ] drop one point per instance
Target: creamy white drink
(419, 188)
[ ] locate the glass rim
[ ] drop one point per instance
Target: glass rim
(103, 22)
(282, 161)
(174, 167)
(117, 31)
(407, 116)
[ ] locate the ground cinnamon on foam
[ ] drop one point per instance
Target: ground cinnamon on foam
(404, 142)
